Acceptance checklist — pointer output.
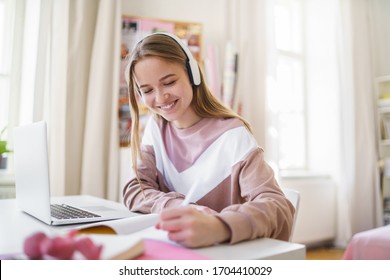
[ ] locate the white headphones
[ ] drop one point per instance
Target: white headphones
(192, 65)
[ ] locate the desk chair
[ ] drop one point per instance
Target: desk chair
(294, 197)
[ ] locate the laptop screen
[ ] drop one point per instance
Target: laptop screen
(32, 170)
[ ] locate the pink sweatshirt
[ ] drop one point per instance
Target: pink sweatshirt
(216, 163)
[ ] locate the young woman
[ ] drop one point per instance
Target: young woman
(198, 164)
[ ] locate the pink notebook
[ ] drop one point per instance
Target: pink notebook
(160, 250)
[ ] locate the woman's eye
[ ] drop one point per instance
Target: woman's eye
(146, 91)
(170, 83)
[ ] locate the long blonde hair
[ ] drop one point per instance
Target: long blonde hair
(204, 103)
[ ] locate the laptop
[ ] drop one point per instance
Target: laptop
(32, 185)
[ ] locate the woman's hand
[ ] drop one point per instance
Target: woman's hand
(193, 228)
(203, 209)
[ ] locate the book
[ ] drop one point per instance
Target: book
(136, 238)
(212, 71)
(385, 127)
(118, 247)
(229, 74)
(386, 218)
(384, 102)
(121, 226)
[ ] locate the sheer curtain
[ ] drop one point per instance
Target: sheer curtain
(246, 28)
(359, 200)
(79, 78)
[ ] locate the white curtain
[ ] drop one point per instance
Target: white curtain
(359, 203)
(246, 28)
(80, 81)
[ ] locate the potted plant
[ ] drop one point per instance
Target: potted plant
(3, 150)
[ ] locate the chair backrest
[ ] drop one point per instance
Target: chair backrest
(293, 196)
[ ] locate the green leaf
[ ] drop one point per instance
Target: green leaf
(3, 147)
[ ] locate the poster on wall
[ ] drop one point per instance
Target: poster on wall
(133, 30)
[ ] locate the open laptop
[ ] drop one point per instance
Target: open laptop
(32, 184)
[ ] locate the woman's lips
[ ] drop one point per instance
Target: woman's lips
(167, 106)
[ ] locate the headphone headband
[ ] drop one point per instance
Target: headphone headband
(192, 65)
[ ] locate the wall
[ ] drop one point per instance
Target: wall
(316, 220)
(380, 21)
(203, 11)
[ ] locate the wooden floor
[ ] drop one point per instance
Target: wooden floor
(324, 253)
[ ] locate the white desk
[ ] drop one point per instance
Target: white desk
(16, 225)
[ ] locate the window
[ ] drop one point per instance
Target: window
(12, 20)
(289, 98)
(19, 22)
(303, 90)
(6, 31)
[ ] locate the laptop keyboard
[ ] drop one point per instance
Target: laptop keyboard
(64, 211)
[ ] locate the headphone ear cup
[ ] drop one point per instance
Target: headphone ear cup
(190, 74)
(193, 71)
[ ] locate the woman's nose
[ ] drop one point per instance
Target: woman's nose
(162, 96)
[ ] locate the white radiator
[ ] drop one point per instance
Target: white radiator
(316, 220)
(7, 192)
(7, 185)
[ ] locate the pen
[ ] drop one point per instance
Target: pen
(187, 199)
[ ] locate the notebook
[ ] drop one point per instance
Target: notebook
(32, 184)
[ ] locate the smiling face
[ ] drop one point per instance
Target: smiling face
(166, 90)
